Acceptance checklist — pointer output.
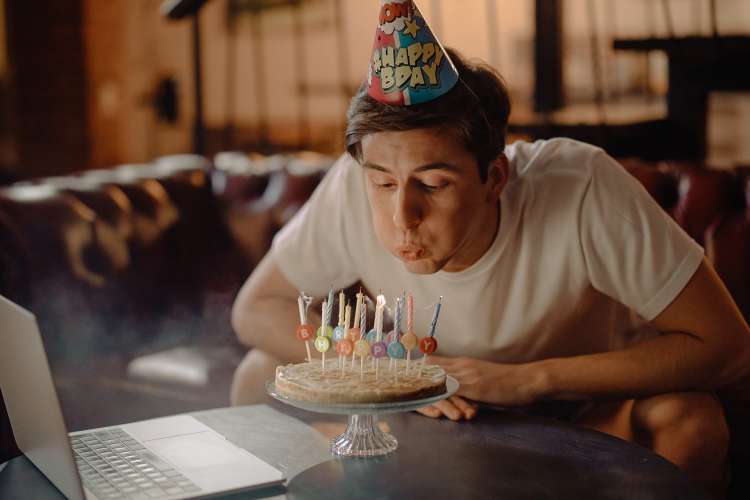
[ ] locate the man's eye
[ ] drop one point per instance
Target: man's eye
(383, 185)
(433, 187)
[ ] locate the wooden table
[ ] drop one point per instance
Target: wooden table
(497, 455)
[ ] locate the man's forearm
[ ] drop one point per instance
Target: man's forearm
(672, 362)
(270, 324)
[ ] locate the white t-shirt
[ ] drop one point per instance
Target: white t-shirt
(582, 258)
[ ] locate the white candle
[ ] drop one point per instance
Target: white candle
(301, 305)
(379, 317)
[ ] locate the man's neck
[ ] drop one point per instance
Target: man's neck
(477, 244)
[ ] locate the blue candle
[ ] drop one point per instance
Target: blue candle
(433, 324)
(363, 320)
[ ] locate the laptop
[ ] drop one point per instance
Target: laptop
(172, 457)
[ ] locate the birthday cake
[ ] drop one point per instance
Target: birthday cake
(308, 382)
(366, 366)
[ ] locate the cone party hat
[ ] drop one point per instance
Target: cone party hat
(408, 64)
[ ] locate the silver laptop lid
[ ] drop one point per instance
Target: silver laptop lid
(31, 400)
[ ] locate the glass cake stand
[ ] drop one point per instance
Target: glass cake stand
(363, 437)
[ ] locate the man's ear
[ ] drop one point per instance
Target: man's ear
(497, 175)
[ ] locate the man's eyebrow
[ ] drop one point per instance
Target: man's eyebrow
(374, 166)
(437, 166)
(422, 168)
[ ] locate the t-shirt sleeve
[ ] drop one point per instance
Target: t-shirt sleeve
(313, 249)
(634, 252)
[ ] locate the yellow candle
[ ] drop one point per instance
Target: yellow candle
(347, 316)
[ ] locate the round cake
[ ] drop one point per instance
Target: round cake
(308, 381)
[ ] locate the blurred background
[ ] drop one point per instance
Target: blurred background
(150, 149)
(89, 84)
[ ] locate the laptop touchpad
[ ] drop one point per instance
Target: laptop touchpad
(212, 462)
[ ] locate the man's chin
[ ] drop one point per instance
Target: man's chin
(421, 266)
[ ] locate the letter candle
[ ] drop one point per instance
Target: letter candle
(345, 346)
(325, 329)
(378, 349)
(393, 341)
(340, 332)
(428, 344)
(356, 331)
(409, 340)
(322, 342)
(361, 346)
(304, 331)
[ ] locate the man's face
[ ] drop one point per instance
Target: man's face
(429, 206)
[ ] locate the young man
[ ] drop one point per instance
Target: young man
(562, 279)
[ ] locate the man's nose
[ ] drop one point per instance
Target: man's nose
(407, 213)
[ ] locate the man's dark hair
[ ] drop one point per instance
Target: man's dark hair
(475, 111)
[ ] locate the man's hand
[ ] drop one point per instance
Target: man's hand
(496, 383)
(455, 408)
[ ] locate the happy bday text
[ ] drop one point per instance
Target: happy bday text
(416, 65)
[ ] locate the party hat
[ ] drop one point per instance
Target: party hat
(408, 64)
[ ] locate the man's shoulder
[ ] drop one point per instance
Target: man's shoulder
(345, 166)
(543, 158)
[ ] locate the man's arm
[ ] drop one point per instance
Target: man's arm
(265, 314)
(704, 345)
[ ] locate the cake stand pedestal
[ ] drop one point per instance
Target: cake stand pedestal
(363, 437)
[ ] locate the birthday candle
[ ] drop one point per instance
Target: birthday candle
(394, 337)
(379, 316)
(357, 310)
(301, 305)
(304, 331)
(340, 331)
(433, 324)
(379, 308)
(329, 308)
(410, 313)
(355, 328)
(362, 308)
(322, 342)
(397, 320)
(378, 350)
(428, 345)
(345, 346)
(363, 320)
(341, 307)
(361, 347)
(410, 342)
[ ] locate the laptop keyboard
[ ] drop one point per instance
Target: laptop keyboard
(113, 465)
